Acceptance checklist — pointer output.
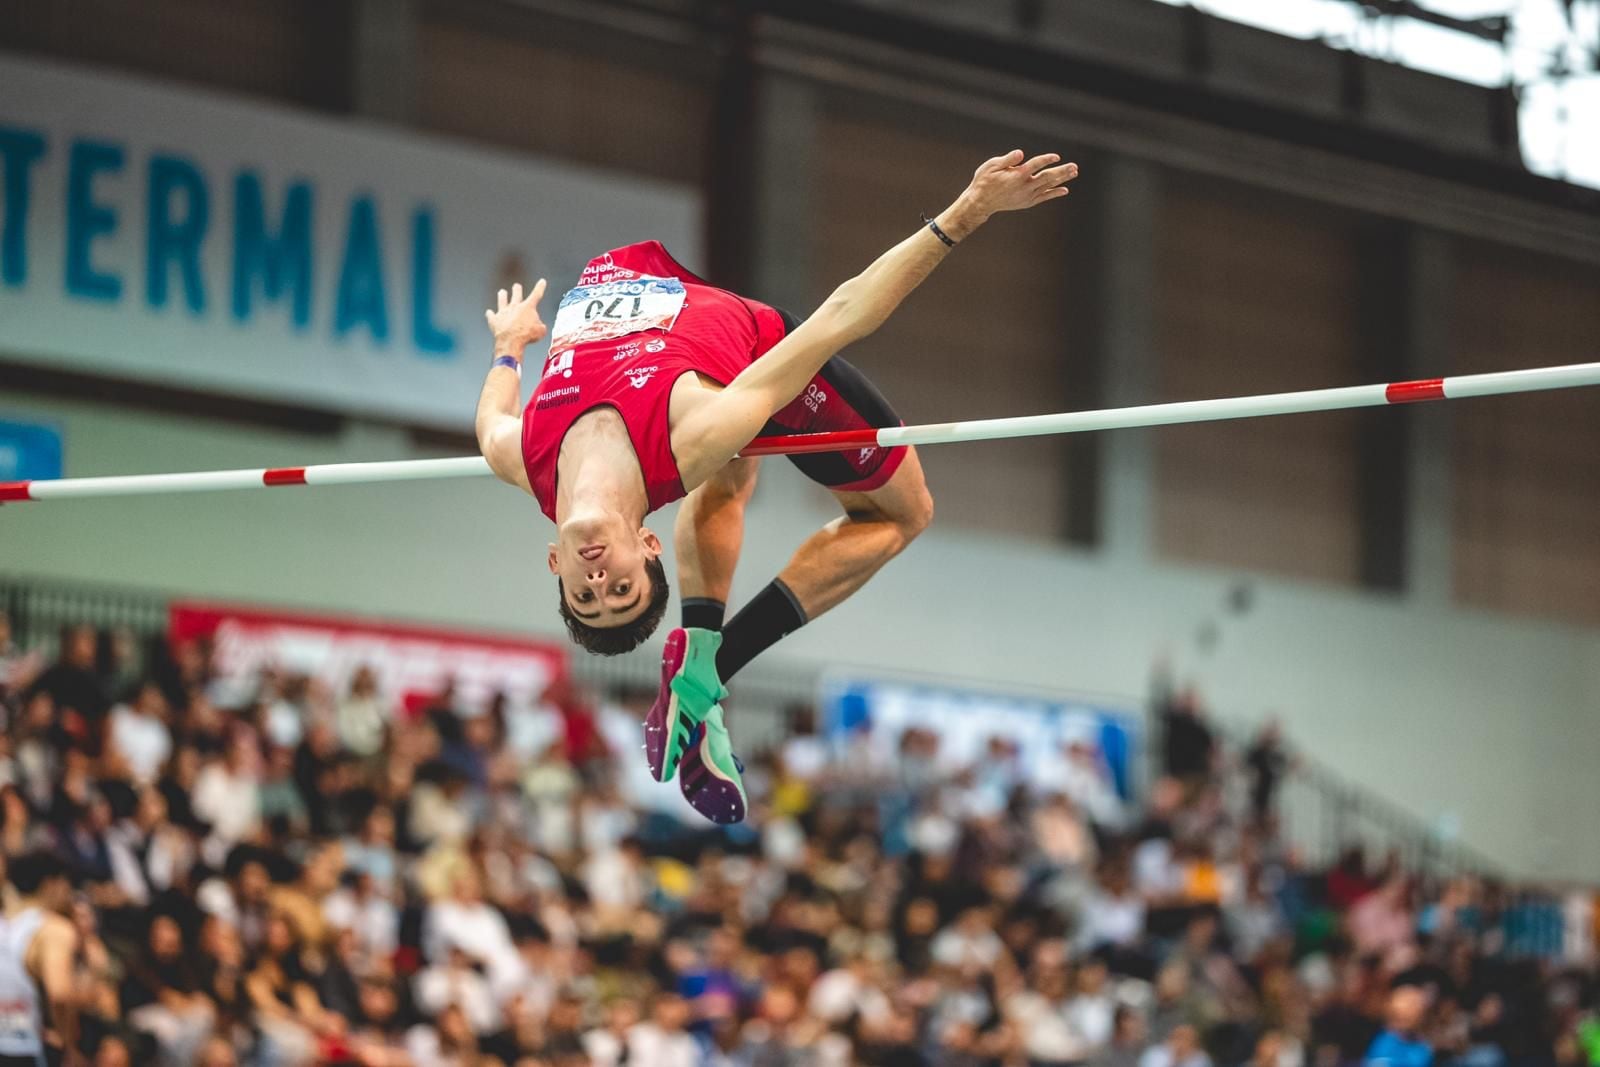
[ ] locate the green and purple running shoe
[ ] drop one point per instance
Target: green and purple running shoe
(690, 690)
(712, 776)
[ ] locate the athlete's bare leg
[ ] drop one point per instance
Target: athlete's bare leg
(707, 535)
(876, 526)
(709, 531)
(832, 564)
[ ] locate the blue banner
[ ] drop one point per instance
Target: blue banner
(965, 720)
(29, 451)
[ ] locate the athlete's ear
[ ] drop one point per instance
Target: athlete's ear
(652, 543)
(554, 568)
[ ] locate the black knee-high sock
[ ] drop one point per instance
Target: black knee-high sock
(701, 612)
(773, 614)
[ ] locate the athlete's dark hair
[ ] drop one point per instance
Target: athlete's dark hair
(31, 870)
(615, 640)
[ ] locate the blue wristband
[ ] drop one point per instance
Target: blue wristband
(508, 361)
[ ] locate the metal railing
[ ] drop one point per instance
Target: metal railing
(40, 610)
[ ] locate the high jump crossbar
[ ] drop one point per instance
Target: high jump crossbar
(1537, 379)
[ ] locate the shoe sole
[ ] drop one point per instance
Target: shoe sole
(657, 728)
(712, 782)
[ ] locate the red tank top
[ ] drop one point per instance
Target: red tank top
(628, 356)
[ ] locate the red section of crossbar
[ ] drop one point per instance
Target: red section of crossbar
(1412, 392)
(284, 476)
(14, 491)
(800, 443)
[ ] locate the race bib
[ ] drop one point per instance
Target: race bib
(613, 309)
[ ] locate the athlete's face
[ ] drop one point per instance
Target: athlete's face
(601, 564)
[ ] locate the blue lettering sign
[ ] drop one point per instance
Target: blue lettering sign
(279, 261)
(87, 219)
(20, 149)
(360, 300)
(425, 333)
(175, 239)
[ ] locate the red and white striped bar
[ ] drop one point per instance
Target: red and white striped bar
(399, 470)
(1242, 407)
(1245, 407)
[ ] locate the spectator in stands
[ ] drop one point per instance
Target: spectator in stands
(1043, 1017)
(1187, 744)
(1094, 1004)
(1349, 880)
(283, 995)
(75, 687)
(239, 896)
(663, 1037)
(1112, 916)
(138, 733)
(1256, 920)
(462, 920)
(147, 854)
(38, 743)
(1267, 763)
(162, 995)
(227, 791)
(362, 906)
(454, 980)
(805, 754)
(1270, 1050)
(852, 990)
(1180, 1049)
(1382, 919)
(1127, 1042)
(361, 717)
(1401, 1043)
(278, 796)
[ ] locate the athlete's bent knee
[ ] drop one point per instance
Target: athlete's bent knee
(919, 516)
(911, 516)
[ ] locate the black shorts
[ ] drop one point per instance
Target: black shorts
(839, 398)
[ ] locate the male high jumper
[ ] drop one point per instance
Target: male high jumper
(654, 382)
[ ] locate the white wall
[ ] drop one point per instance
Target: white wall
(1445, 712)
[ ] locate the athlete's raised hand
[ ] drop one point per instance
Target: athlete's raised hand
(515, 322)
(1013, 182)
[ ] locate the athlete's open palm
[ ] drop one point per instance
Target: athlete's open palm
(1012, 182)
(517, 318)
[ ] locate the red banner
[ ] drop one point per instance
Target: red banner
(412, 663)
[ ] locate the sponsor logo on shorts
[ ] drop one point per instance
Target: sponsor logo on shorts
(655, 345)
(557, 397)
(814, 397)
(560, 363)
(639, 377)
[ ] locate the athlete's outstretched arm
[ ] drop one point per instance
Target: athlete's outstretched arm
(516, 324)
(714, 432)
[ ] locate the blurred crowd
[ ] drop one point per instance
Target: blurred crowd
(282, 873)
